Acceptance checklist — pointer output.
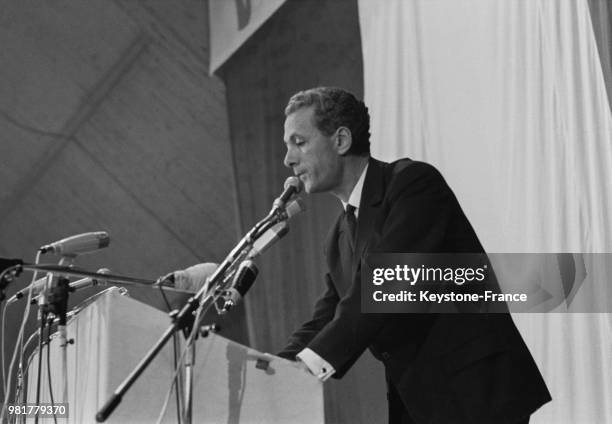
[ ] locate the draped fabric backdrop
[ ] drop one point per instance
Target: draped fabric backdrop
(601, 16)
(508, 99)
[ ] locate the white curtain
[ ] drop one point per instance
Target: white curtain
(507, 99)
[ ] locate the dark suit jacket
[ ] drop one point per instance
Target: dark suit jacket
(450, 368)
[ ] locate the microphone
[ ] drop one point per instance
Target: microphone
(275, 233)
(190, 279)
(295, 207)
(195, 277)
(90, 282)
(39, 285)
(243, 280)
(292, 186)
(80, 243)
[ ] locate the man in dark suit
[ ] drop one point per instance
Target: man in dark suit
(448, 368)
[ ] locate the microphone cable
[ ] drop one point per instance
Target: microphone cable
(177, 369)
(19, 342)
(49, 328)
(188, 344)
(2, 359)
(41, 341)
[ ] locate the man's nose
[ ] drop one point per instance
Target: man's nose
(290, 160)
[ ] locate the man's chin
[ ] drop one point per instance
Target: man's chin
(314, 188)
(309, 188)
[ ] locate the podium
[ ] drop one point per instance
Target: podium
(233, 384)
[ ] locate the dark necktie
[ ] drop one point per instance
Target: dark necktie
(346, 244)
(351, 225)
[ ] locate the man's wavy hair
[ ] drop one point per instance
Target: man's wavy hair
(333, 108)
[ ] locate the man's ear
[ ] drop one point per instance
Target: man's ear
(343, 140)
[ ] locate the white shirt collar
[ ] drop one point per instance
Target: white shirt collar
(355, 197)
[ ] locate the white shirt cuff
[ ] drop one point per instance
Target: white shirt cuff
(317, 365)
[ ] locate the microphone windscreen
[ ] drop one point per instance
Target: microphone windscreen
(293, 182)
(77, 244)
(104, 239)
(194, 277)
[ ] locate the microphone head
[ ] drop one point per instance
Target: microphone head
(243, 280)
(90, 281)
(194, 277)
(293, 182)
(245, 277)
(282, 228)
(268, 238)
(80, 243)
(103, 239)
(99, 281)
(247, 266)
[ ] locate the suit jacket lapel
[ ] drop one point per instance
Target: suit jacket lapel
(332, 252)
(371, 197)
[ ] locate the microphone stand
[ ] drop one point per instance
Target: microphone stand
(188, 395)
(54, 302)
(69, 271)
(184, 319)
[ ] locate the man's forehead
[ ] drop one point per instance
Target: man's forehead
(299, 122)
